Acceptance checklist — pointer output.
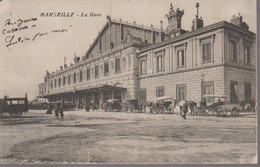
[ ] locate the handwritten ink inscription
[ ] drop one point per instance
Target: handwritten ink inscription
(13, 30)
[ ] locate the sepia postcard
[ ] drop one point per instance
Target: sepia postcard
(128, 82)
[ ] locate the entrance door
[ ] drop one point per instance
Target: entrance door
(233, 92)
(96, 100)
(118, 96)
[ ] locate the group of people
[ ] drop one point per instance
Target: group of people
(58, 109)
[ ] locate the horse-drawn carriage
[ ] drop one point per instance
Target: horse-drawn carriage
(112, 105)
(15, 107)
(220, 108)
(163, 105)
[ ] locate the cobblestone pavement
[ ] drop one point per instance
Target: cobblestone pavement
(103, 137)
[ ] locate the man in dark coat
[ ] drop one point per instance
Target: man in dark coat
(184, 109)
(61, 110)
(252, 104)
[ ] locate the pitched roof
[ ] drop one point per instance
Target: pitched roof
(113, 21)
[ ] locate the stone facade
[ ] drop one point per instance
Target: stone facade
(176, 63)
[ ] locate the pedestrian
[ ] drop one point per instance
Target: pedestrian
(181, 106)
(87, 107)
(184, 109)
(242, 104)
(252, 104)
(57, 110)
(94, 107)
(61, 110)
(49, 111)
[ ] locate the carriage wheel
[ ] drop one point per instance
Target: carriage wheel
(221, 111)
(171, 109)
(131, 108)
(108, 109)
(161, 109)
(235, 111)
(19, 114)
(124, 109)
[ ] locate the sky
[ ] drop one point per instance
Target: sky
(23, 65)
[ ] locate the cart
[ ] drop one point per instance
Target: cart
(15, 107)
(164, 105)
(112, 105)
(218, 108)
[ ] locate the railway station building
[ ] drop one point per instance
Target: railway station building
(129, 61)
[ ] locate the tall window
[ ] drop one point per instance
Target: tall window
(247, 55)
(68, 79)
(88, 74)
(159, 60)
(74, 78)
(80, 76)
(233, 50)
(206, 52)
(160, 91)
(106, 69)
(143, 66)
(181, 92)
(180, 58)
(64, 81)
(96, 71)
(51, 85)
(55, 83)
(208, 89)
(117, 65)
(59, 82)
(248, 93)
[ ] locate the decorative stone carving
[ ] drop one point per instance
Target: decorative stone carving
(124, 62)
(111, 65)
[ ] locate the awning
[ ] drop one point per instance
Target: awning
(97, 88)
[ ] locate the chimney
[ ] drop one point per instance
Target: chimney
(237, 20)
(197, 22)
(161, 25)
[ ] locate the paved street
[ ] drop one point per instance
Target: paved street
(103, 137)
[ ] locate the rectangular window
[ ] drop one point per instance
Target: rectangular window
(159, 60)
(88, 74)
(96, 71)
(160, 91)
(143, 96)
(59, 82)
(181, 92)
(106, 69)
(233, 91)
(68, 79)
(206, 51)
(247, 55)
(55, 83)
(159, 63)
(233, 50)
(143, 66)
(117, 65)
(180, 58)
(74, 78)
(51, 85)
(208, 89)
(248, 92)
(80, 76)
(64, 81)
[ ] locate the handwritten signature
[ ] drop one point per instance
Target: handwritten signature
(12, 39)
(12, 27)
